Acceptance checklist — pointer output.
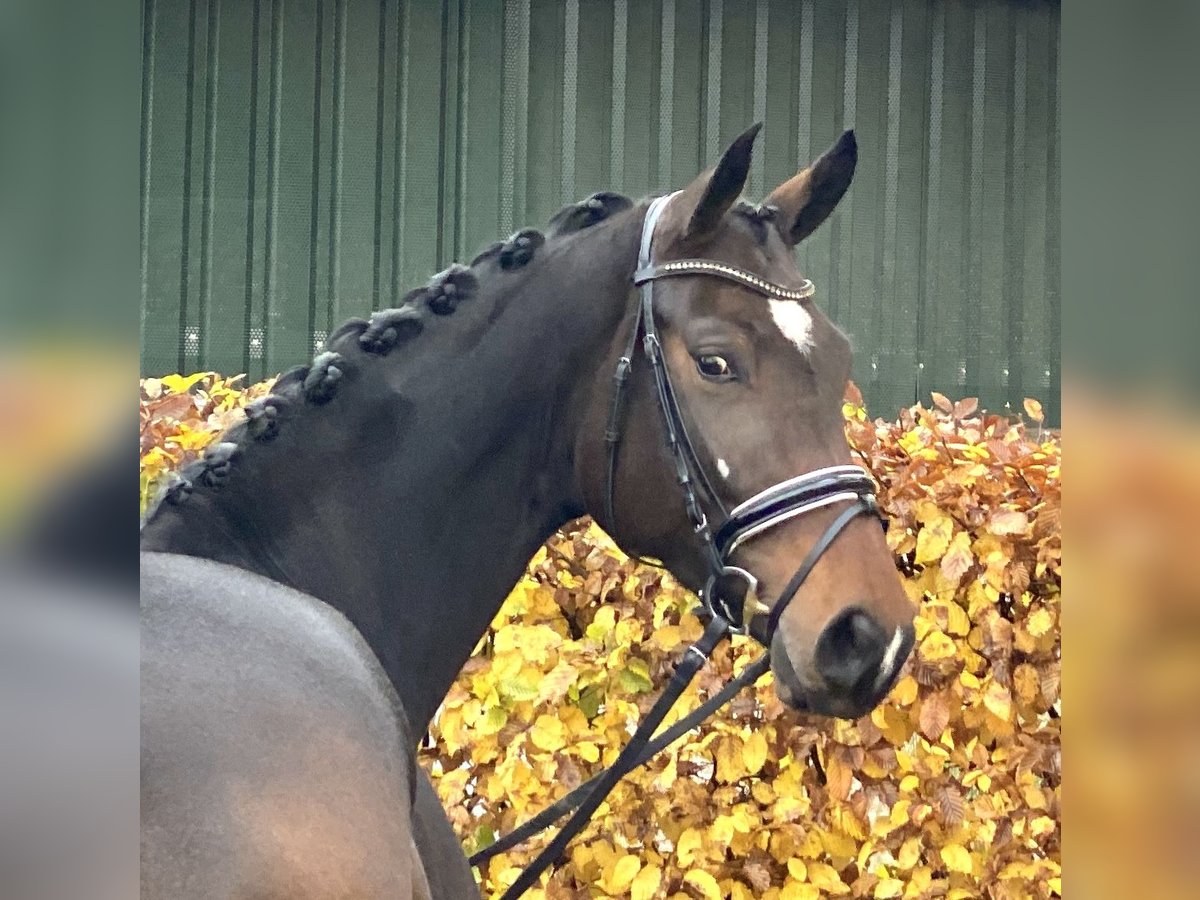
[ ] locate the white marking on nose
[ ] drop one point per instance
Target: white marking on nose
(793, 320)
(888, 665)
(723, 468)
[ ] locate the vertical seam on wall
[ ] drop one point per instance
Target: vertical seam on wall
(149, 23)
(762, 47)
(251, 186)
(460, 128)
(804, 108)
(973, 255)
(314, 215)
(1054, 212)
(712, 106)
(508, 120)
(616, 172)
(514, 118)
(1014, 208)
(400, 160)
(186, 223)
(439, 235)
(212, 39)
(521, 162)
(804, 85)
(927, 285)
(845, 231)
(270, 257)
(334, 275)
(891, 180)
(666, 94)
(380, 74)
(570, 96)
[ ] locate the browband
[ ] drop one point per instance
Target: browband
(726, 271)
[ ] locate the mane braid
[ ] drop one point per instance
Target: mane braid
(757, 216)
(317, 383)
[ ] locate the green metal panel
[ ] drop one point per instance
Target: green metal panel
(307, 160)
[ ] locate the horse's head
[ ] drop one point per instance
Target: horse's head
(754, 375)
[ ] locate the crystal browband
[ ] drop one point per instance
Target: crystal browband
(729, 273)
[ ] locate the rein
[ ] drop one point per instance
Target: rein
(730, 595)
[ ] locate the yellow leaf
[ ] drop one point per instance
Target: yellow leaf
(754, 752)
(794, 891)
(646, 883)
(956, 858)
(548, 733)
(1033, 409)
(889, 887)
(730, 765)
(826, 878)
(620, 875)
(1039, 623)
(905, 691)
(797, 869)
(1042, 826)
(763, 793)
(937, 647)
(934, 539)
(705, 883)
(910, 854)
(689, 843)
(998, 701)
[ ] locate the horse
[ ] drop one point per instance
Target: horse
(312, 586)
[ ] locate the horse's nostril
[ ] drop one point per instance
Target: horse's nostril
(851, 649)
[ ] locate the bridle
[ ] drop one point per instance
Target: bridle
(730, 595)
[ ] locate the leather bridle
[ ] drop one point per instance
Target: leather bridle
(730, 592)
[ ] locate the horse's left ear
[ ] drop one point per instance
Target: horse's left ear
(805, 200)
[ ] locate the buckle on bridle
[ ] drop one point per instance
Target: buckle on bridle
(716, 595)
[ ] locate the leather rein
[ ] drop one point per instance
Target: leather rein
(730, 595)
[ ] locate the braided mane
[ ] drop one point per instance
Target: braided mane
(317, 383)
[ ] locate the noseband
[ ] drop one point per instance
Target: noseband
(730, 593)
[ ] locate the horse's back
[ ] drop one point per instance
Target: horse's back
(275, 757)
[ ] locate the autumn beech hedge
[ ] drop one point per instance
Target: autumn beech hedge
(950, 788)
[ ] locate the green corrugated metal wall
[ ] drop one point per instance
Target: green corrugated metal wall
(306, 160)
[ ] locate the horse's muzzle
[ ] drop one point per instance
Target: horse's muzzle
(853, 665)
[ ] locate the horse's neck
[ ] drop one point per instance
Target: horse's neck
(414, 499)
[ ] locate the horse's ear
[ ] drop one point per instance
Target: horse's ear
(712, 194)
(806, 199)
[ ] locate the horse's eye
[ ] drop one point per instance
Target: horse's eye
(715, 368)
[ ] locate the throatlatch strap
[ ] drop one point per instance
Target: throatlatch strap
(693, 660)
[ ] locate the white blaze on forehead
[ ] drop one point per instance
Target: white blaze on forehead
(794, 322)
(723, 468)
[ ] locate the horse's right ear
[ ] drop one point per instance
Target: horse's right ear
(805, 200)
(711, 195)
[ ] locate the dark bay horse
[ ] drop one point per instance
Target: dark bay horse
(312, 587)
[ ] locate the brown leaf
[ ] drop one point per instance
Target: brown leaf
(942, 402)
(758, 876)
(949, 804)
(966, 407)
(934, 715)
